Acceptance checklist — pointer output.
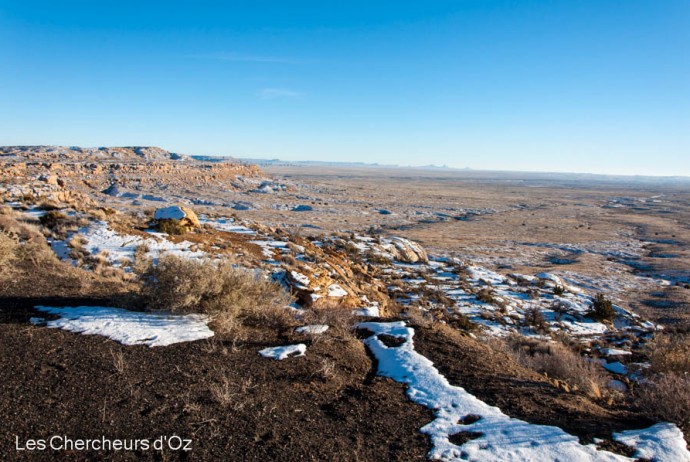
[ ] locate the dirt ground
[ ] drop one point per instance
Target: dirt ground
(231, 403)
(328, 405)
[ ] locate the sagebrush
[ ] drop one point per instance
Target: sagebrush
(215, 288)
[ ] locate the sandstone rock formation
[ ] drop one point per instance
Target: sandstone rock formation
(334, 279)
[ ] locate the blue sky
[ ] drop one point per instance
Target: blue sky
(596, 86)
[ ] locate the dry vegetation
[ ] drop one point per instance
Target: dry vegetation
(665, 394)
(216, 288)
(22, 242)
(556, 361)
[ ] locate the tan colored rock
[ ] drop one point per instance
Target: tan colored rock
(402, 249)
(334, 279)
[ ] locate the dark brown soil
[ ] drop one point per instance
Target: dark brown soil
(232, 403)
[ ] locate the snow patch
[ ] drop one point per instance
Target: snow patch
(284, 352)
(334, 290)
(314, 329)
(130, 327)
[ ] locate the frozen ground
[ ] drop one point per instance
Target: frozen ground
(493, 436)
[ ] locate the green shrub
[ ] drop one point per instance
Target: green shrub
(602, 309)
(171, 227)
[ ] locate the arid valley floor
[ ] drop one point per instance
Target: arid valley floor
(369, 313)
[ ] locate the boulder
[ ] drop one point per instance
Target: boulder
(401, 249)
(409, 251)
(184, 215)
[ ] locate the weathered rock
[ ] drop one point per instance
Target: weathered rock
(334, 279)
(401, 249)
(409, 251)
(49, 179)
(184, 215)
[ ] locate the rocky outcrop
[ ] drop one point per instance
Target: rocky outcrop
(335, 279)
(135, 174)
(400, 249)
(408, 251)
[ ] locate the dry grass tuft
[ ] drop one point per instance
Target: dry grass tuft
(230, 395)
(666, 397)
(217, 289)
(556, 361)
(670, 353)
(118, 361)
(326, 371)
(338, 317)
(8, 249)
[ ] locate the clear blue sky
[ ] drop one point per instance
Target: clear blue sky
(597, 86)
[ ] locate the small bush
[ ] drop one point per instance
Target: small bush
(171, 227)
(288, 260)
(558, 290)
(555, 360)
(486, 295)
(437, 296)
(461, 321)
(8, 250)
(670, 353)
(339, 318)
(214, 288)
(48, 205)
(666, 397)
(52, 218)
(21, 231)
(534, 318)
(602, 309)
(141, 263)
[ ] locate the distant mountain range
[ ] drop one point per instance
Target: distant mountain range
(321, 163)
(471, 173)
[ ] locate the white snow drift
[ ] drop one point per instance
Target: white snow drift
(130, 327)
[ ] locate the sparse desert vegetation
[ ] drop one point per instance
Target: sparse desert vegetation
(218, 298)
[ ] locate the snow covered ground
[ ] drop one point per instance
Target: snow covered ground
(119, 248)
(128, 327)
(495, 436)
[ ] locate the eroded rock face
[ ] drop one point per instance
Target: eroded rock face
(184, 215)
(334, 279)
